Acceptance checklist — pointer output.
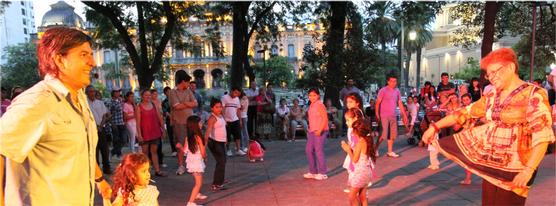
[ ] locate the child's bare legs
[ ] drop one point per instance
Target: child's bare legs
(467, 179)
(198, 183)
(154, 157)
(363, 197)
(354, 196)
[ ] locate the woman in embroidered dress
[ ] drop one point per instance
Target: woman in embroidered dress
(507, 149)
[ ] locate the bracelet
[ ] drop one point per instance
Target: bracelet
(527, 167)
(100, 179)
(435, 127)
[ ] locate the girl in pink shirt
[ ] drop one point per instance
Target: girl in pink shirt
(318, 131)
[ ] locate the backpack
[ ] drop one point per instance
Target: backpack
(255, 150)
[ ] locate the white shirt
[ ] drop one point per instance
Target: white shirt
(244, 106)
(282, 111)
(218, 132)
(98, 109)
(252, 94)
(231, 105)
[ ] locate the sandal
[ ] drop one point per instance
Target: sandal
(160, 174)
(463, 182)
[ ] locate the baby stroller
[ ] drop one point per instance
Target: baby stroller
(430, 116)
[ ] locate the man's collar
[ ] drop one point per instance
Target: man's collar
(56, 84)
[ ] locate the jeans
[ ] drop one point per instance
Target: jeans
(315, 150)
(218, 150)
(244, 133)
(293, 125)
(103, 150)
(118, 132)
(171, 139)
(132, 131)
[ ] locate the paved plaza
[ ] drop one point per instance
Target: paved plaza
(400, 181)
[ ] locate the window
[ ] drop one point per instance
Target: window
(107, 57)
(24, 22)
(274, 50)
(291, 51)
(25, 30)
(22, 4)
(23, 12)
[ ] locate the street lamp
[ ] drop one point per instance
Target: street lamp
(264, 57)
(412, 36)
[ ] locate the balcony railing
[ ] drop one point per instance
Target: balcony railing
(200, 60)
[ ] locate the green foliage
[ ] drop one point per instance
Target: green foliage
(471, 70)
(277, 71)
(21, 68)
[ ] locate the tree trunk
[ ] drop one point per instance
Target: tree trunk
(239, 53)
(406, 70)
(334, 47)
(491, 9)
(418, 70)
(399, 65)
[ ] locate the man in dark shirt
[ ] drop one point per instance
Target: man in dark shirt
(445, 87)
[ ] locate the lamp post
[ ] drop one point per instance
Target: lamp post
(412, 36)
(264, 58)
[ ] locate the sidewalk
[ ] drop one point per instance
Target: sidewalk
(400, 181)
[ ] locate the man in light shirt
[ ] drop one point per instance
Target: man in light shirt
(232, 111)
(101, 115)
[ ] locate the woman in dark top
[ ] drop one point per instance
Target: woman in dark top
(475, 90)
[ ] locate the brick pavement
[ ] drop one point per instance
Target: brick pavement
(401, 181)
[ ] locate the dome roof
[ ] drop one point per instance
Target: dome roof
(62, 14)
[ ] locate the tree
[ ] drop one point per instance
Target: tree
(471, 70)
(334, 47)
(156, 23)
(21, 66)
(275, 71)
(381, 29)
(3, 4)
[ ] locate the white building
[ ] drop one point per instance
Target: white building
(17, 23)
(440, 56)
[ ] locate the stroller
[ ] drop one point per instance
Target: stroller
(430, 116)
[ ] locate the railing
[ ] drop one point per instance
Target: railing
(200, 60)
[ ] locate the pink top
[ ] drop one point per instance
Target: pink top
(150, 125)
(128, 109)
(317, 116)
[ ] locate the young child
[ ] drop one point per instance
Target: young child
(351, 116)
(255, 151)
(362, 156)
(216, 139)
(131, 182)
(413, 108)
(196, 155)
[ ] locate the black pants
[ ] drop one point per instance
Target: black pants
(103, 150)
(251, 119)
(170, 132)
(218, 150)
(118, 135)
(158, 152)
(493, 195)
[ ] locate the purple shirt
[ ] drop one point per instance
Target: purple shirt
(390, 98)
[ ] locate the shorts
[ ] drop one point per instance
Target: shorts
(233, 129)
(180, 131)
(150, 142)
(389, 128)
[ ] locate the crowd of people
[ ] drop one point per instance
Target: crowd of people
(499, 133)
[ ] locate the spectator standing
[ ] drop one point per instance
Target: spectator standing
(232, 111)
(252, 94)
(118, 124)
(129, 117)
(149, 129)
(476, 91)
(166, 111)
(182, 101)
(101, 115)
(283, 112)
(45, 126)
(348, 88)
(264, 116)
(198, 97)
(244, 101)
(158, 105)
(388, 98)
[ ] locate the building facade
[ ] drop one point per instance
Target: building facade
(17, 23)
(440, 55)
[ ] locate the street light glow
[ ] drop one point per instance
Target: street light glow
(412, 35)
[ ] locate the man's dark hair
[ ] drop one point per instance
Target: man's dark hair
(467, 95)
(235, 88)
(315, 90)
(193, 82)
(444, 74)
(166, 89)
(214, 101)
(428, 83)
(391, 76)
(154, 90)
(182, 76)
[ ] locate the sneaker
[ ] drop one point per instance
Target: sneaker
(252, 160)
(377, 154)
(370, 184)
(160, 174)
(347, 190)
(229, 153)
(321, 177)
(392, 154)
(174, 154)
(289, 140)
(181, 170)
(262, 160)
(240, 153)
(163, 165)
(218, 187)
(201, 196)
(309, 176)
(433, 167)
(244, 150)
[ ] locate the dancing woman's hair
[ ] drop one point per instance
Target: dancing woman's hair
(362, 128)
(125, 176)
(193, 131)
